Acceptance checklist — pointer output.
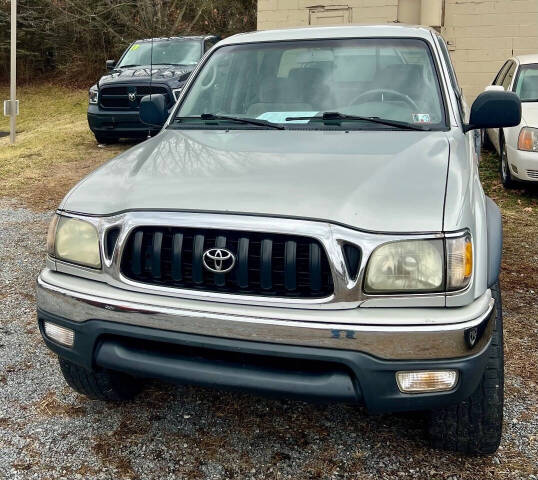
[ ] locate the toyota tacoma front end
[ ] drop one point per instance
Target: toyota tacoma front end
(309, 222)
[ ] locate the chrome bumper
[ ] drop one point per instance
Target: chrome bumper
(387, 333)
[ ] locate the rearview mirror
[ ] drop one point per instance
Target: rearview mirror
(153, 110)
(494, 109)
(110, 64)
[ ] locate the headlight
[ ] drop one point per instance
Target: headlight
(408, 266)
(75, 241)
(459, 261)
(176, 92)
(420, 266)
(94, 95)
(528, 139)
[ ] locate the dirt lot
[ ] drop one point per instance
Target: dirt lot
(47, 431)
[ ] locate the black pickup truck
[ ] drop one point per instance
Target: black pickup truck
(114, 99)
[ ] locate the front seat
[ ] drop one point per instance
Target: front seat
(311, 85)
(277, 95)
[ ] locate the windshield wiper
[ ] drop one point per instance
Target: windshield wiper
(251, 121)
(332, 116)
(128, 66)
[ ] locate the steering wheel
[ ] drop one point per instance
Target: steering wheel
(365, 96)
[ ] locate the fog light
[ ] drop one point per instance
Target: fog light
(426, 381)
(62, 335)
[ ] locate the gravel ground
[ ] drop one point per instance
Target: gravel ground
(47, 431)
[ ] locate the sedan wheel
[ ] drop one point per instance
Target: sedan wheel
(506, 177)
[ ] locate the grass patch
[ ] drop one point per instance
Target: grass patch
(55, 147)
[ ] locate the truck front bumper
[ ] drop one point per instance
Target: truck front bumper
(121, 123)
(319, 355)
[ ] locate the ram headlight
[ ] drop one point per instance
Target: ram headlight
(75, 241)
(93, 95)
(420, 266)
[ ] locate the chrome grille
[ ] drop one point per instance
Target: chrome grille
(532, 173)
(278, 265)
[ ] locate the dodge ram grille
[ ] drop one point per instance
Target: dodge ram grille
(265, 264)
(127, 97)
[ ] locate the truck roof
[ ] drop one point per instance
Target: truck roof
(345, 31)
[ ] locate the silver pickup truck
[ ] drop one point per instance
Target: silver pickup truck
(309, 222)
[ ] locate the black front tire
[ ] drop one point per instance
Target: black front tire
(102, 385)
(474, 426)
(504, 168)
(105, 138)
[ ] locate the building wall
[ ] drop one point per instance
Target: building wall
(481, 34)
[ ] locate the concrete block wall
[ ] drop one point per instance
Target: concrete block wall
(295, 13)
(482, 33)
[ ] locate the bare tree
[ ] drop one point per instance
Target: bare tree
(73, 38)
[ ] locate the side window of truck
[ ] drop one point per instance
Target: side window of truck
(208, 44)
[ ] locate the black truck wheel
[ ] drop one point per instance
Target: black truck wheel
(474, 426)
(103, 385)
(106, 138)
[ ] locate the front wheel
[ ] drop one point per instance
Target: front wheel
(105, 138)
(506, 177)
(102, 385)
(474, 426)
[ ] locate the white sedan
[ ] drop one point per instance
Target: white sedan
(518, 146)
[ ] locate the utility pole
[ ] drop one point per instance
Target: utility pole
(13, 79)
(11, 106)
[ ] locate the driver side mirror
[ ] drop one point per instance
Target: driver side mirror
(153, 110)
(494, 109)
(110, 64)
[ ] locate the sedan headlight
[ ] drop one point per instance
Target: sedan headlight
(528, 139)
(420, 266)
(93, 95)
(75, 241)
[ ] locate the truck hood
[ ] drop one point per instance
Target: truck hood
(392, 181)
(161, 73)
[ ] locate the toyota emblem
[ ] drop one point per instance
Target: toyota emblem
(218, 260)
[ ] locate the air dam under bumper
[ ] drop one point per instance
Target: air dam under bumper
(327, 361)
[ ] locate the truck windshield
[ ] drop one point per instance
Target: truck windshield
(290, 82)
(527, 83)
(165, 52)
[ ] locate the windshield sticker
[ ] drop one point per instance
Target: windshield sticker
(421, 117)
(136, 46)
(280, 117)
